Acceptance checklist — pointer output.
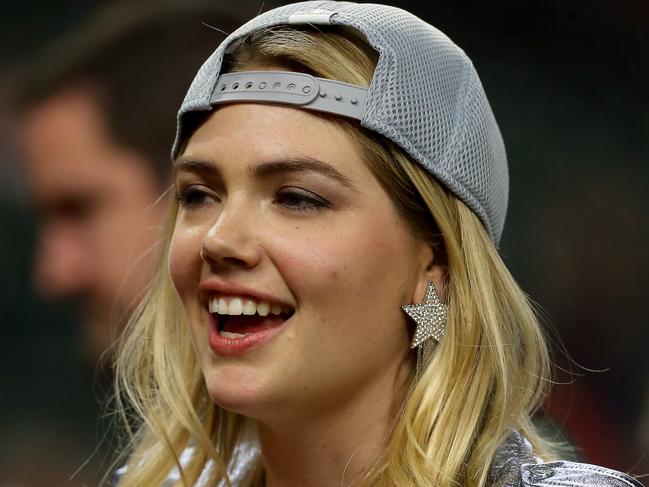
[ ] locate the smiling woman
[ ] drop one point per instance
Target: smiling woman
(332, 309)
(274, 225)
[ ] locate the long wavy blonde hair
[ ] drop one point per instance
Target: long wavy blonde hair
(484, 379)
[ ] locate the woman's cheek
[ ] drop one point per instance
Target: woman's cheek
(184, 262)
(315, 261)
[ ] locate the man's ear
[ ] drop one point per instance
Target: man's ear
(431, 270)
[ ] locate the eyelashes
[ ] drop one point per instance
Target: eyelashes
(288, 197)
(192, 197)
(299, 199)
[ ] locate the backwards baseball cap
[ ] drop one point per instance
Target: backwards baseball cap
(425, 96)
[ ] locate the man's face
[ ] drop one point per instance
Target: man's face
(98, 217)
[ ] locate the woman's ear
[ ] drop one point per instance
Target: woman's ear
(430, 270)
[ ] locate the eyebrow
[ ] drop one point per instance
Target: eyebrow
(271, 168)
(300, 164)
(194, 165)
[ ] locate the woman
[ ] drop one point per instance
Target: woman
(332, 309)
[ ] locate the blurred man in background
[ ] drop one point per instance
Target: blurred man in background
(96, 117)
(98, 114)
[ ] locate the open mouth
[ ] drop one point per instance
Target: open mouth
(237, 318)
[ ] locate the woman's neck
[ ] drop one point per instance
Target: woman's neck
(332, 449)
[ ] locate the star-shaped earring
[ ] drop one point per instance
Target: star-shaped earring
(430, 317)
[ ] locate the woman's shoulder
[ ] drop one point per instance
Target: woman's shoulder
(244, 456)
(559, 473)
(516, 465)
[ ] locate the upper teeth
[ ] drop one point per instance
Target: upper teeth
(243, 306)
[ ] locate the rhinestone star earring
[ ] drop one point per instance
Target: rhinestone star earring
(430, 318)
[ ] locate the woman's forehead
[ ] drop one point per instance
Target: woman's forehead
(252, 134)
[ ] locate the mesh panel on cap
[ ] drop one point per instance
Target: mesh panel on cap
(425, 96)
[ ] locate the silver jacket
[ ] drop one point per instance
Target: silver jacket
(514, 465)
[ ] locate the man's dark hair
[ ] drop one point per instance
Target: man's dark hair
(138, 60)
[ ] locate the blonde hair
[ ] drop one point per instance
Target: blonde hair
(484, 378)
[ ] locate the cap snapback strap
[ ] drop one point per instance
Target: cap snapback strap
(288, 88)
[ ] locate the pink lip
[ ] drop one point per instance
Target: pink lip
(221, 345)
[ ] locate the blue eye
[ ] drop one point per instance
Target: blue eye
(192, 197)
(300, 200)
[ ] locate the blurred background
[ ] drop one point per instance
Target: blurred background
(567, 81)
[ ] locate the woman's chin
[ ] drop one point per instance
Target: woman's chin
(238, 392)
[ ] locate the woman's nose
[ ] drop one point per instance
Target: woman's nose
(232, 241)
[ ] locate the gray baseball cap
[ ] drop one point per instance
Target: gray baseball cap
(425, 96)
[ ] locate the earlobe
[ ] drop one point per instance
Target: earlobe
(431, 271)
